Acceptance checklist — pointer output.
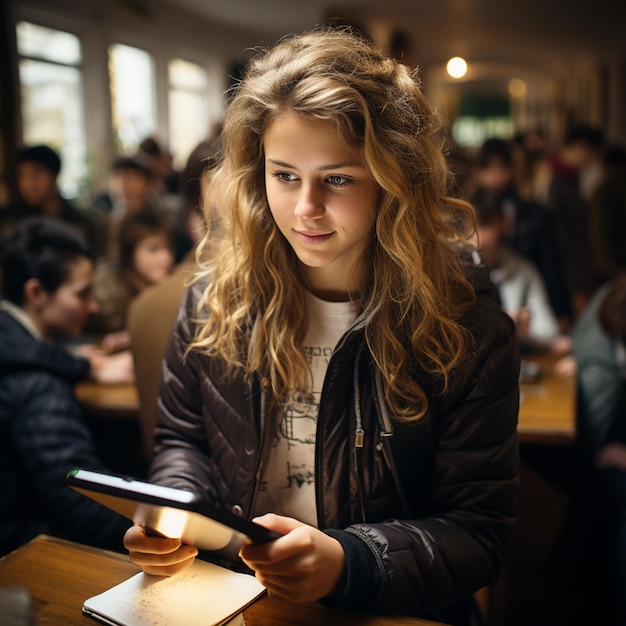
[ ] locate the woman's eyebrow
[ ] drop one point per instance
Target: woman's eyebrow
(321, 168)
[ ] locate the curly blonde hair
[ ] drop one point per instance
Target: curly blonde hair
(414, 290)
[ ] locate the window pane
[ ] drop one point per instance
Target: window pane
(188, 108)
(46, 43)
(186, 75)
(52, 113)
(131, 73)
(188, 124)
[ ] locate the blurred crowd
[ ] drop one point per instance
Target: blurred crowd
(69, 277)
(137, 228)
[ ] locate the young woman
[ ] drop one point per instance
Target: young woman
(48, 295)
(342, 371)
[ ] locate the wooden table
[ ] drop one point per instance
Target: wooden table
(548, 407)
(119, 400)
(61, 575)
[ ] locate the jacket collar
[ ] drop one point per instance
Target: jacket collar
(19, 315)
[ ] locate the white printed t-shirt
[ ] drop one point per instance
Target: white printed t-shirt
(288, 482)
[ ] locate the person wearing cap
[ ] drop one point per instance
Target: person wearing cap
(37, 170)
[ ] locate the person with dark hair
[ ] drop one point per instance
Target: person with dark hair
(527, 226)
(48, 295)
(159, 159)
(530, 164)
(129, 189)
(522, 291)
(204, 156)
(37, 169)
(608, 216)
(341, 370)
(569, 210)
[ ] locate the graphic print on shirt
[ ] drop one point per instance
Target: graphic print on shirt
(287, 486)
(291, 471)
(297, 429)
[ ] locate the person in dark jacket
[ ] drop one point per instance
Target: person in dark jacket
(528, 227)
(37, 169)
(342, 371)
(47, 285)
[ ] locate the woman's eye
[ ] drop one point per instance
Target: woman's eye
(286, 177)
(338, 181)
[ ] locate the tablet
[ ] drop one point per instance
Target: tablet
(170, 512)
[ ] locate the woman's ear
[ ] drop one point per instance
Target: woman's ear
(35, 296)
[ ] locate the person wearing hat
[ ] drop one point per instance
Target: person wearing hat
(37, 170)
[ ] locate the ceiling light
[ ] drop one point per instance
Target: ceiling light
(517, 88)
(457, 67)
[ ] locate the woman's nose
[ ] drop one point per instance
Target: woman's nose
(310, 202)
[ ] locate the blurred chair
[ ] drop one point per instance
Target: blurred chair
(150, 318)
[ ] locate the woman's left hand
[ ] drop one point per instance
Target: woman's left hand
(304, 565)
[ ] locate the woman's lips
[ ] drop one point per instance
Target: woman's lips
(313, 237)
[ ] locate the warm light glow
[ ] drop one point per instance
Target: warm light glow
(457, 67)
(517, 88)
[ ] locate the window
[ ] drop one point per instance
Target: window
(188, 108)
(131, 76)
(52, 98)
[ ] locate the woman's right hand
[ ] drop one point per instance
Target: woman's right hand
(160, 556)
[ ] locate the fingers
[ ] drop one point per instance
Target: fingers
(154, 564)
(302, 566)
(137, 539)
(279, 523)
(158, 555)
(270, 552)
(297, 540)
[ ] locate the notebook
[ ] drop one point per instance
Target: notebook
(202, 595)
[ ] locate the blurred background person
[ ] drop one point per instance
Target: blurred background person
(527, 225)
(531, 165)
(569, 208)
(599, 504)
(128, 189)
(48, 291)
(520, 287)
(141, 255)
(608, 217)
(202, 158)
(165, 181)
(159, 160)
(37, 171)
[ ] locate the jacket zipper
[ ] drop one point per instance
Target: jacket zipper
(262, 438)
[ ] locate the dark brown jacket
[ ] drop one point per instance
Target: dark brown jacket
(424, 512)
